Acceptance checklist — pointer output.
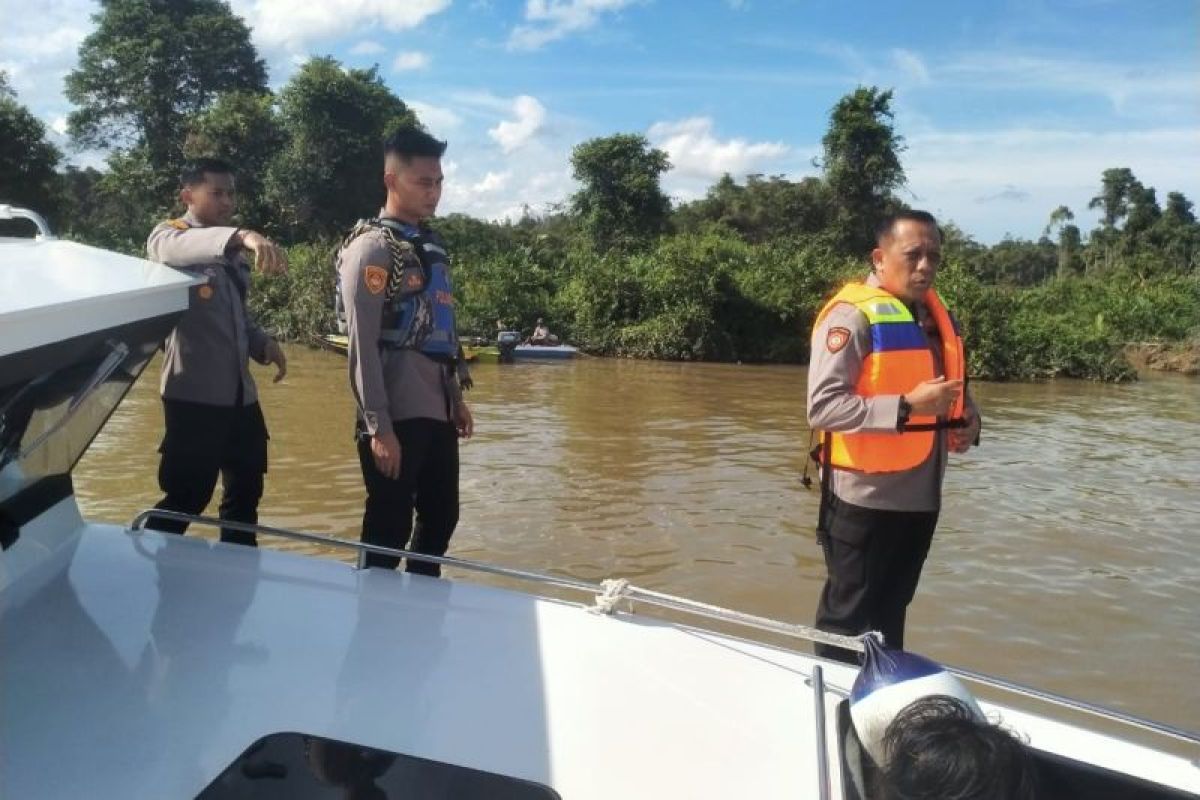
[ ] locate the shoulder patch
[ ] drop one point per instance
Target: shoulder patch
(375, 278)
(178, 224)
(836, 339)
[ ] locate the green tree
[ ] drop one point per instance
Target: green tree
(862, 164)
(621, 203)
(1068, 240)
(149, 66)
(1117, 186)
(762, 210)
(241, 128)
(27, 158)
(329, 173)
(1178, 234)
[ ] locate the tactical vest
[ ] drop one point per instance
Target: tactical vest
(899, 359)
(418, 311)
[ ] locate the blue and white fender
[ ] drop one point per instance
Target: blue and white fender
(888, 682)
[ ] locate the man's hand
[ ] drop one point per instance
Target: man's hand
(385, 449)
(933, 398)
(274, 355)
(269, 258)
(961, 439)
(463, 421)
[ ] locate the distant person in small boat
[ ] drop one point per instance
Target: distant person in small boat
(214, 425)
(938, 748)
(542, 336)
(396, 290)
(888, 401)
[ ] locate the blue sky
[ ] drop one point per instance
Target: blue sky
(1008, 108)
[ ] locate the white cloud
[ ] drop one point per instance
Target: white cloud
(59, 125)
(492, 182)
(284, 23)
(367, 48)
(439, 120)
(696, 152)
(41, 46)
(410, 61)
(1146, 88)
(911, 65)
(1022, 174)
(512, 134)
(550, 20)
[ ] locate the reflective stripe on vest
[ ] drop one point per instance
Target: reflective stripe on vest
(899, 359)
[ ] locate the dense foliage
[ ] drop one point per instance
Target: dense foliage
(736, 275)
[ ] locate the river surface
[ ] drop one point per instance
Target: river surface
(1067, 557)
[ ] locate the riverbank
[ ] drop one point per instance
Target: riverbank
(716, 299)
(1181, 357)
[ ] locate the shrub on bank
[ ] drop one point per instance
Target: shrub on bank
(710, 296)
(298, 306)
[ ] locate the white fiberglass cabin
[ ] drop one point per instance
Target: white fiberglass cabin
(135, 664)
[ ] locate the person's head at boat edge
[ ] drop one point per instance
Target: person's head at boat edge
(938, 748)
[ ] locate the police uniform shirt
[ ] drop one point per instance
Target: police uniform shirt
(208, 352)
(833, 404)
(389, 384)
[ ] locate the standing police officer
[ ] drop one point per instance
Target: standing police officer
(213, 421)
(886, 394)
(397, 299)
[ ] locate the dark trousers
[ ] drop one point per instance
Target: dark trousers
(202, 442)
(873, 559)
(428, 484)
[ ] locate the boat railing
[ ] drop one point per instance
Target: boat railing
(608, 595)
(8, 212)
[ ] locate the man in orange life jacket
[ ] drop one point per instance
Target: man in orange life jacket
(887, 398)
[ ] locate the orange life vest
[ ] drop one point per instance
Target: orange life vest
(899, 359)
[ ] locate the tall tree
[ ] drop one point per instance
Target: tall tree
(1179, 209)
(1068, 239)
(862, 163)
(1179, 234)
(1117, 185)
(329, 173)
(27, 158)
(241, 128)
(621, 203)
(149, 66)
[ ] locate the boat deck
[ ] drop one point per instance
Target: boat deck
(142, 665)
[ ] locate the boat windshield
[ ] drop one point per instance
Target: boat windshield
(299, 766)
(53, 402)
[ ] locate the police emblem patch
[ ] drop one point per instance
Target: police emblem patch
(205, 292)
(376, 279)
(837, 339)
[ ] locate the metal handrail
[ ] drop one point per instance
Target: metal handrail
(818, 684)
(14, 212)
(630, 593)
(705, 610)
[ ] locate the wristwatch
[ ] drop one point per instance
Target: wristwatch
(904, 414)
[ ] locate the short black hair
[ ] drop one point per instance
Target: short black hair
(194, 171)
(408, 142)
(937, 747)
(884, 229)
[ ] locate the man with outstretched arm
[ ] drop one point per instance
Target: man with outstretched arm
(214, 425)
